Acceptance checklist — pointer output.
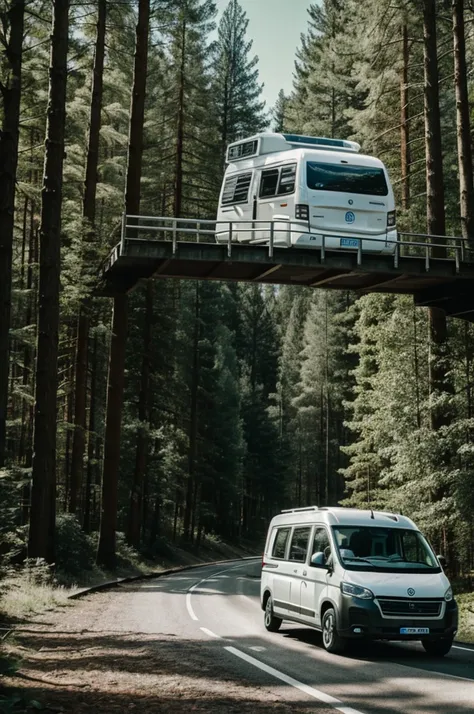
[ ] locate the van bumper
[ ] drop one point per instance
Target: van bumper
(359, 619)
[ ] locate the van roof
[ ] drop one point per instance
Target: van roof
(272, 142)
(342, 517)
(301, 154)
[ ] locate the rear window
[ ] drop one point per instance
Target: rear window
(279, 545)
(236, 189)
(368, 180)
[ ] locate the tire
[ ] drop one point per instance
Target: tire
(437, 648)
(332, 642)
(272, 623)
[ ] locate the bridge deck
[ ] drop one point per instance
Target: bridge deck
(445, 283)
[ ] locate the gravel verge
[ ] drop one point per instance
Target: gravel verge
(90, 658)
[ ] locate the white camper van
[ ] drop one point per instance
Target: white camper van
(356, 575)
(308, 187)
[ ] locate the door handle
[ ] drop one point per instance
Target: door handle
(295, 571)
(305, 572)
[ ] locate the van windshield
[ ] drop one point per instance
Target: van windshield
(368, 180)
(384, 549)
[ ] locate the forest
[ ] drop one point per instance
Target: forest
(193, 410)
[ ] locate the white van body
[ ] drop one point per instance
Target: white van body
(356, 574)
(310, 187)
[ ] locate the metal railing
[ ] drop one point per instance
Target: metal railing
(278, 233)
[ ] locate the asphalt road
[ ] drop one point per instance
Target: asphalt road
(220, 606)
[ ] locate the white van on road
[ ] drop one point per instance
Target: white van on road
(356, 575)
(309, 187)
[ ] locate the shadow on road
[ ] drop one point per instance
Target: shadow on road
(117, 671)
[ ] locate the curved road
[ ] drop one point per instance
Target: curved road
(220, 606)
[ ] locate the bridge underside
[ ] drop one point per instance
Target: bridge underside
(438, 284)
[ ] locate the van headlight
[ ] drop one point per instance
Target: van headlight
(448, 595)
(357, 591)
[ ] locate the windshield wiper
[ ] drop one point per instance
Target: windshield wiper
(360, 560)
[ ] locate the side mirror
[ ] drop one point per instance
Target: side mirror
(442, 561)
(318, 560)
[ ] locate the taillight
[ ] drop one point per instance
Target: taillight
(391, 218)
(302, 211)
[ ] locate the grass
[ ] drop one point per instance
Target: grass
(22, 597)
(38, 587)
(466, 617)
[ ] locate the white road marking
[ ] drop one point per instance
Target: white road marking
(258, 649)
(466, 649)
(189, 607)
(210, 633)
(310, 691)
(191, 612)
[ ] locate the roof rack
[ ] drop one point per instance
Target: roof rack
(299, 510)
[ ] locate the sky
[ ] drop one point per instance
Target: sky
(275, 26)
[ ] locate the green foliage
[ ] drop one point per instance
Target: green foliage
(256, 398)
(75, 550)
(235, 85)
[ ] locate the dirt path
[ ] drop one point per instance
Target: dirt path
(90, 657)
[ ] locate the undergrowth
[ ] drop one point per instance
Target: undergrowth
(466, 617)
(30, 589)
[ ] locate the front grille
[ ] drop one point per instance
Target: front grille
(410, 608)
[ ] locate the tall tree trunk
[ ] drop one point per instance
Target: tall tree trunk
(193, 423)
(68, 414)
(404, 122)
(463, 124)
(435, 216)
(43, 493)
(136, 496)
(11, 97)
(88, 212)
(438, 357)
(178, 191)
(108, 521)
(91, 468)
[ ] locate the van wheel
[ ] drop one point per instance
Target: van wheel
(437, 648)
(331, 640)
(272, 623)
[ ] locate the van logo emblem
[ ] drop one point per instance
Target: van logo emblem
(412, 606)
(350, 202)
(350, 217)
(410, 592)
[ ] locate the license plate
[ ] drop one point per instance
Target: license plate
(349, 243)
(414, 630)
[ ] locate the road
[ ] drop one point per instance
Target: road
(220, 606)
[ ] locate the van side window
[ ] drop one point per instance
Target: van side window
(269, 183)
(236, 189)
(279, 545)
(299, 544)
(277, 182)
(320, 541)
(287, 180)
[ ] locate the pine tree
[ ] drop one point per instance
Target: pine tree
(280, 111)
(466, 182)
(89, 214)
(235, 84)
(106, 553)
(43, 495)
(11, 40)
(323, 92)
